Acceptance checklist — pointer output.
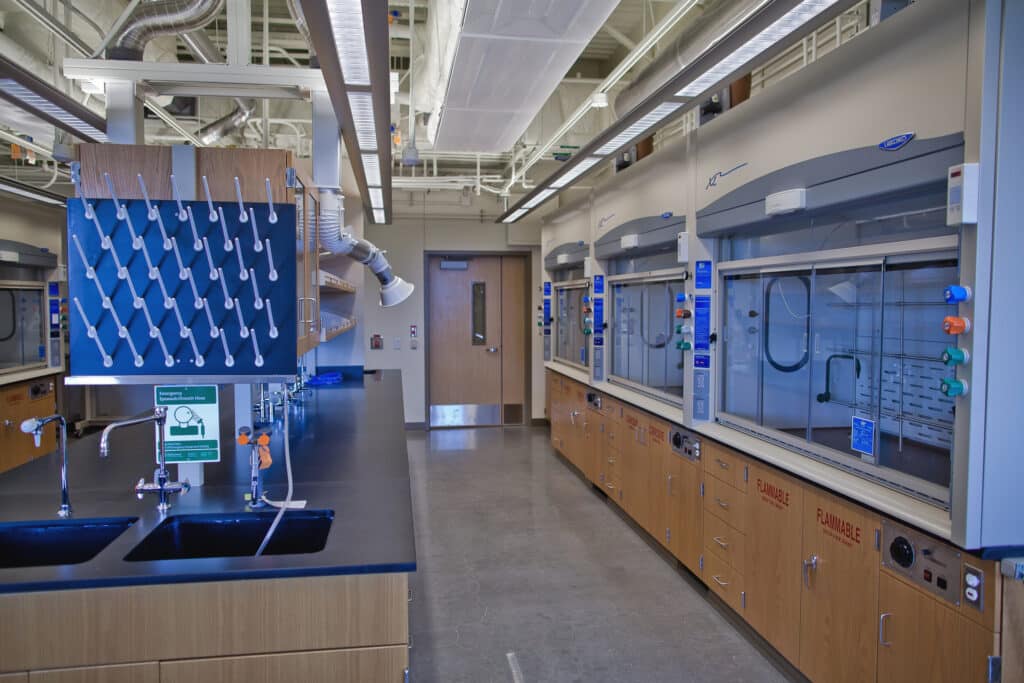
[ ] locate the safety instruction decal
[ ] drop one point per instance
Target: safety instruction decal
(599, 284)
(547, 289)
(702, 323)
(862, 436)
(702, 275)
(192, 430)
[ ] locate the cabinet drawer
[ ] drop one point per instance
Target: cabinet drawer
(725, 502)
(118, 673)
(724, 542)
(364, 665)
(724, 464)
(725, 581)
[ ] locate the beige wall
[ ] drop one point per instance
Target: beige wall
(406, 241)
(23, 220)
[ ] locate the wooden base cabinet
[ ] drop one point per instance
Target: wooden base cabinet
(686, 512)
(326, 666)
(922, 639)
(839, 602)
(634, 466)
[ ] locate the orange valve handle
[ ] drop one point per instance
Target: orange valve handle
(683, 313)
(243, 439)
(953, 324)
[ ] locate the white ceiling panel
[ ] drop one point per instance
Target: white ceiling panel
(511, 56)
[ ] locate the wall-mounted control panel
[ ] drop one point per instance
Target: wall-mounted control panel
(545, 321)
(596, 317)
(931, 564)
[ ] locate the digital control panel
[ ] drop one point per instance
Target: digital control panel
(929, 563)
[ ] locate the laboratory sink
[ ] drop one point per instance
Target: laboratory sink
(49, 542)
(239, 534)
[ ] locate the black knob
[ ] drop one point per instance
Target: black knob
(677, 439)
(902, 552)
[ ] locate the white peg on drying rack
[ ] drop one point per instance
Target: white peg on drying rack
(228, 303)
(209, 318)
(122, 331)
(209, 259)
(197, 244)
(90, 272)
(270, 317)
(136, 240)
(168, 359)
(198, 301)
(270, 262)
(242, 329)
(163, 231)
(229, 360)
(200, 361)
(177, 198)
(137, 301)
(242, 216)
(209, 201)
(182, 270)
(257, 301)
(104, 237)
(121, 211)
(168, 301)
(243, 274)
(257, 245)
(122, 272)
(86, 206)
(135, 352)
(154, 331)
(151, 210)
(272, 215)
(224, 230)
(90, 331)
(182, 327)
(256, 348)
(151, 270)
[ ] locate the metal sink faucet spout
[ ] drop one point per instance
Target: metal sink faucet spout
(161, 484)
(34, 426)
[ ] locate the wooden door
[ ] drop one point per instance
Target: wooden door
(922, 639)
(661, 471)
(839, 601)
(635, 463)
(686, 513)
(593, 433)
(773, 546)
(477, 350)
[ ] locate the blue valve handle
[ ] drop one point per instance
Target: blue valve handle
(956, 294)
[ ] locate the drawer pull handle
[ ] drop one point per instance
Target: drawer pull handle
(810, 564)
(610, 486)
(611, 461)
(719, 541)
(721, 503)
(721, 463)
(721, 583)
(881, 629)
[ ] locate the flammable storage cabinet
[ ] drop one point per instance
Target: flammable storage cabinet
(846, 284)
(573, 315)
(649, 317)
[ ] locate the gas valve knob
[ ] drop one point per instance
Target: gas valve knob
(953, 324)
(587, 321)
(956, 294)
(683, 313)
(953, 356)
(587, 331)
(953, 387)
(683, 345)
(683, 329)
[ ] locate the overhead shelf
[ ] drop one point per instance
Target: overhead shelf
(336, 329)
(333, 283)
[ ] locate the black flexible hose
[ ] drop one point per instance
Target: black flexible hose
(767, 325)
(14, 317)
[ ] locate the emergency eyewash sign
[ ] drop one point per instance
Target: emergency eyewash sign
(192, 429)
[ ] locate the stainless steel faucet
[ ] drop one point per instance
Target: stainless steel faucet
(34, 426)
(160, 484)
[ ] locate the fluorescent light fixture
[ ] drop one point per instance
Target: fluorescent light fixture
(516, 215)
(350, 40)
(655, 116)
(775, 32)
(378, 216)
(30, 192)
(371, 166)
(540, 197)
(575, 172)
(27, 91)
(361, 104)
(376, 198)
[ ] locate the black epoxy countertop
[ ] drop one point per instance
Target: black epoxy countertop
(348, 455)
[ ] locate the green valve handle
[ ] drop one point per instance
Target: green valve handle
(953, 356)
(683, 345)
(587, 331)
(953, 387)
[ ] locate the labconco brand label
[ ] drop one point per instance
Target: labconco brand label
(773, 494)
(840, 529)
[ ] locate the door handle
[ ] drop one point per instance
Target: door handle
(719, 541)
(492, 349)
(881, 629)
(721, 503)
(721, 583)
(721, 463)
(809, 564)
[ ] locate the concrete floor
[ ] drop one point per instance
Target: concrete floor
(517, 554)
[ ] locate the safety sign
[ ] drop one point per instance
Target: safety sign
(192, 429)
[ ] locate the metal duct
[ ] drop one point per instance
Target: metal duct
(164, 17)
(694, 40)
(393, 289)
(204, 51)
(300, 23)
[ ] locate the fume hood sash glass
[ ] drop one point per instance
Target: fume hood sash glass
(571, 343)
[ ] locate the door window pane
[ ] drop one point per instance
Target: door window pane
(479, 305)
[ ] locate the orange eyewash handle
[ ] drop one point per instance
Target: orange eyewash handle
(953, 324)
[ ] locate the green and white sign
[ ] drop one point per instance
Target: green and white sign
(192, 430)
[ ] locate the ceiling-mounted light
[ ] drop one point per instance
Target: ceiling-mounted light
(376, 198)
(29, 192)
(516, 215)
(660, 113)
(599, 100)
(575, 172)
(350, 40)
(27, 91)
(371, 165)
(378, 216)
(540, 197)
(361, 104)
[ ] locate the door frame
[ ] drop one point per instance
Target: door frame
(525, 254)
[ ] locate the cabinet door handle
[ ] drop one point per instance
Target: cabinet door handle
(721, 583)
(721, 503)
(610, 487)
(719, 541)
(809, 564)
(881, 629)
(721, 463)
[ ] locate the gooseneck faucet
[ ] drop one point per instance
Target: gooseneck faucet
(160, 484)
(34, 426)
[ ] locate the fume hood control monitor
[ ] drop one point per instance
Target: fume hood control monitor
(962, 194)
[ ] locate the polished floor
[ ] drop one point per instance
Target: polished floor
(527, 574)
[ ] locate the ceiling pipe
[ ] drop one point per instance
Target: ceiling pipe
(202, 48)
(161, 18)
